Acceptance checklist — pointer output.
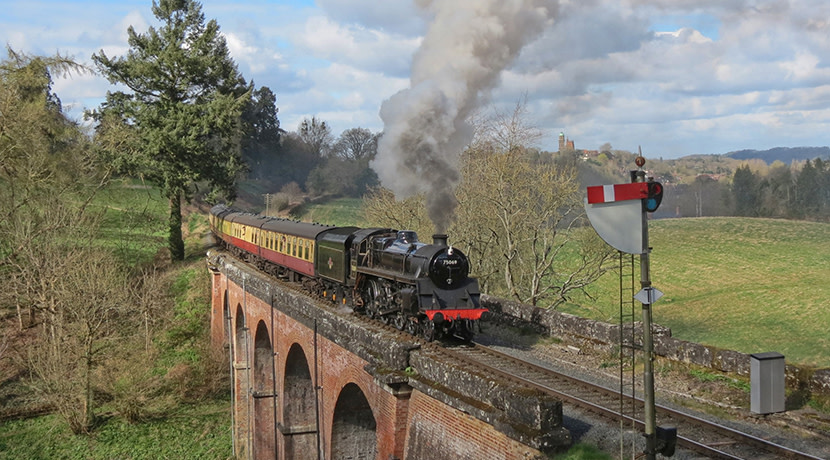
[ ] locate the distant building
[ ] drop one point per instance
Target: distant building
(565, 145)
(714, 177)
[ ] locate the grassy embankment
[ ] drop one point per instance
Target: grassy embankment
(175, 424)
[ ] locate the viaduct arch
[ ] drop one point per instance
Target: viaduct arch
(313, 382)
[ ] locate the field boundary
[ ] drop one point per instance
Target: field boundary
(604, 336)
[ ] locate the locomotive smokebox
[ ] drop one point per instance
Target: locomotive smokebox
(439, 239)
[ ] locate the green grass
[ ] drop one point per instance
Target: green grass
(583, 452)
(340, 212)
(193, 432)
(134, 220)
(709, 376)
(751, 285)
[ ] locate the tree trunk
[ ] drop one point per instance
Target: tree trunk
(174, 239)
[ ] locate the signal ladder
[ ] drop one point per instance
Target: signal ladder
(628, 350)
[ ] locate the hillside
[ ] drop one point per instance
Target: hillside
(784, 154)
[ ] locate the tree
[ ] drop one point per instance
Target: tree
(510, 130)
(382, 209)
(523, 230)
(185, 101)
(337, 176)
(807, 185)
(48, 169)
(87, 306)
(261, 141)
(346, 171)
(356, 144)
(316, 135)
(777, 191)
(745, 192)
(45, 159)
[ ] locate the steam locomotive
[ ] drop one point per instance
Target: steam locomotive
(424, 289)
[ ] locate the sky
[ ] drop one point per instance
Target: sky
(673, 77)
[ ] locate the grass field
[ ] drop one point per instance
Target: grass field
(340, 211)
(193, 432)
(134, 220)
(750, 285)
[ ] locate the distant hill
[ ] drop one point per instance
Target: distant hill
(784, 154)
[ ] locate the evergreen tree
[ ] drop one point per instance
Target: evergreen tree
(261, 142)
(807, 187)
(745, 192)
(185, 101)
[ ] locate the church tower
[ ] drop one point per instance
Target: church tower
(561, 142)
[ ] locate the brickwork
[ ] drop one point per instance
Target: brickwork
(439, 432)
(355, 377)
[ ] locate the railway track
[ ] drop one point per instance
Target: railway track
(695, 434)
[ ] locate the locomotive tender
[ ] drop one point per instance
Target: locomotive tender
(424, 289)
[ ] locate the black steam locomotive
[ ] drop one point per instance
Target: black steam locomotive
(424, 289)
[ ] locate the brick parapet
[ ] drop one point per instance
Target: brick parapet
(525, 415)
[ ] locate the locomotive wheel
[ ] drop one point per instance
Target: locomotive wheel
(465, 330)
(400, 321)
(411, 327)
(371, 303)
(429, 331)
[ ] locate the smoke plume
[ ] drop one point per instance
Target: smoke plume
(465, 49)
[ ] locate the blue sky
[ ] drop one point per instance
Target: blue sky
(677, 77)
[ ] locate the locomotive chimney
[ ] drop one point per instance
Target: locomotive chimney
(439, 239)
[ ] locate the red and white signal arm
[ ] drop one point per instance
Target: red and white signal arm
(616, 213)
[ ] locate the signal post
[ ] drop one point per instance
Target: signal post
(619, 214)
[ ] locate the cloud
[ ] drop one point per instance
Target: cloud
(369, 49)
(393, 17)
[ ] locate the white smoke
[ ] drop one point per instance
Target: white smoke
(465, 49)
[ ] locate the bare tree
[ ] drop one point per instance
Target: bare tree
(520, 217)
(356, 144)
(87, 307)
(382, 209)
(511, 130)
(316, 135)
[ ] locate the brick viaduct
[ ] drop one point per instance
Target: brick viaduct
(314, 382)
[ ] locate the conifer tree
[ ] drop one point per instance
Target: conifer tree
(183, 106)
